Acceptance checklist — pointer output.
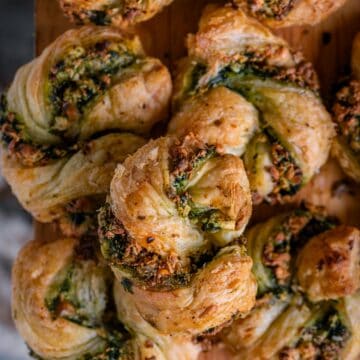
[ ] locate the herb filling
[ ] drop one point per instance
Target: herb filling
(80, 77)
(128, 9)
(254, 64)
(79, 293)
(324, 339)
(148, 267)
(276, 9)
(238, 76)
(286, 239)
(19, 144)
(285, 173)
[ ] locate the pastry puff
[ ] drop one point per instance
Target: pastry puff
(308, 271)
(64, 309)
(50, 334)
(66, 118)
(283, 13)
(243, 90)
(171, 233)
(121, 13)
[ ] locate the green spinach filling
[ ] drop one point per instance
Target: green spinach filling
(209, 219)
(118, 350)
(284, 241)
(20, 145)
(286, 175)
(74, 83)
(143, 266)
(103, 16)
(114, 344)
(253, 65)
(242, 77)
(147, 267)
(79, 294)
(80, 77)
(185, 165)
(325, 336)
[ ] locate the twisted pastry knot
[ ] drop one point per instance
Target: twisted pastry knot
(308, 271)
(64, 308)
(282, 13)
(120, 13)
(171, 235)
(62, 118)
(346, 110)
(243, 90)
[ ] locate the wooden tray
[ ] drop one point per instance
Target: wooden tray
(327, 45)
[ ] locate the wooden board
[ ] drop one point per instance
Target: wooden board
(327, 45)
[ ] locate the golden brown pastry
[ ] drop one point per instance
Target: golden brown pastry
(171, 235)
(63, 308)
(112, 12)
(65, 120)
(307, 268)
(327, 330)
(243, 90)
(333, 190)
(328, 267)
(223, 289)
(173, 346)
(59, 302)
(346, 112)
(282, 13)
(274, 244)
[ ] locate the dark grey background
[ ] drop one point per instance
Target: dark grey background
(16, 48)
(16, 36)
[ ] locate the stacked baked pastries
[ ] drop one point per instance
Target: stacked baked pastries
(123, 13)
(308, 272)
(265, 102)
(155, 258)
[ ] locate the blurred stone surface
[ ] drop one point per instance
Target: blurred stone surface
(16, 48)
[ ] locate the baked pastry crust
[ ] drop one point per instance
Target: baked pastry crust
(48, 324)
(122, 13)
(328, 266)
(307, 269)
(34, 272)
(46, 190)
(171, 230)
(222, 289)
(66, 117)
(248, 94)
(283, 13)
(174, 346)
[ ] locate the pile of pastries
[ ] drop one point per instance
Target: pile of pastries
(159, 255)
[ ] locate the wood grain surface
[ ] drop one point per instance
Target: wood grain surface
(327, 45)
